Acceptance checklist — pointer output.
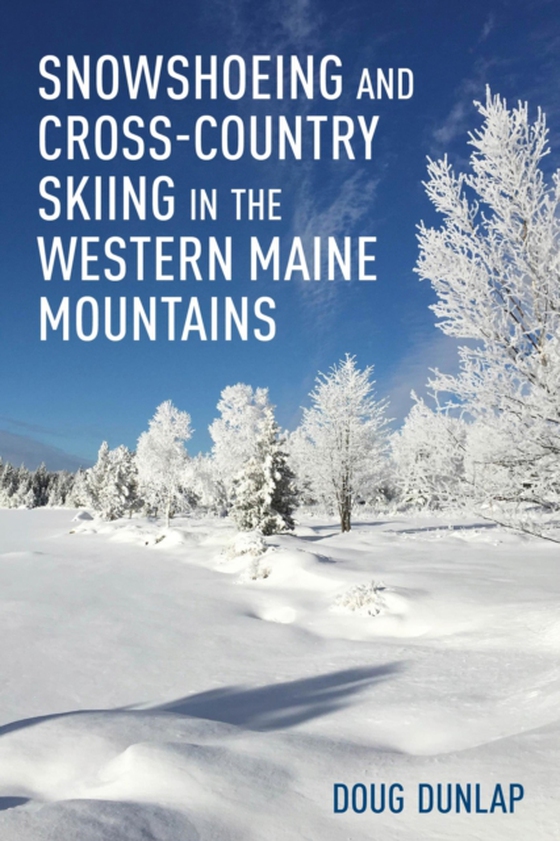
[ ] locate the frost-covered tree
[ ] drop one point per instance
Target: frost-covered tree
(121, 495)
(23, 496)
(41, 480)
(161, 459)
(344, 434)
(16, 487)
(78, 496)
(60, 489)
(265, 494)
(96, 478)
(205, 484)
(235, 432)
(111, 485)
(495, 267)
(302, 459)
(20, 487)
(429, 454)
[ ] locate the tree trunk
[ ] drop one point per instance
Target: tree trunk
(345, 506)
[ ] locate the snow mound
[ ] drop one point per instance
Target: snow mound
(127, 776)
(292, 568)
(283, 614)
(82, 515)
(97, 820)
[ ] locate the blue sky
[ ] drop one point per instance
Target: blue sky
(61, 399)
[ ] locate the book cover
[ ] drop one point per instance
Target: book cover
(280, 298)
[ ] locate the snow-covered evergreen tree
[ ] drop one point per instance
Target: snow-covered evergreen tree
(41, 480)
(345, 437)
(265, 492)
(161, 459)
(60, 489)
(8, 485)
(22, 488)
(96, 478)
(78, 496)
(124, 473)
(495, 266)
(16, 487)
(23, 496)
(111, 485)
(235, 432)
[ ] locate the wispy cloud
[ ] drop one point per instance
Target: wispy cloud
(524, 69)
(278, 27)
(300, 20)
(339, 214)
(489, 25)
(352, 200)
(325, 204)
(30, 427)
(92, 432)
(432, 350)
(455, 123)
(462, 116)
(23, 449)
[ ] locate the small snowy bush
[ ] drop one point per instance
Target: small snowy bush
(250, 546)
(256, 571)
(249, 543)
(365, 599)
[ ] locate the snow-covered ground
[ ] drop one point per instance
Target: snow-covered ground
(173, 686)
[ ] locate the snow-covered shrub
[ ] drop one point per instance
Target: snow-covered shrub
(248, 543)
(364, 599)
(251, 546)
(256, 571)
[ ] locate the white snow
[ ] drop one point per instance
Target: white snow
(180, 684)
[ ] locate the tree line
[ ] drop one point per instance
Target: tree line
(487, 439)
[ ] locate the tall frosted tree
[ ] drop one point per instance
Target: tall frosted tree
(344, 437)
(96, 478)
(429, 458)
(235, 433)
(495, 267)
(161, 459)
(41, 481)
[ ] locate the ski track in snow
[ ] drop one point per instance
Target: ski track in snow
(160, 686)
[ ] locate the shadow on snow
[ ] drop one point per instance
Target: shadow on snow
(273, 707)
(12, 802)
(281, 705)
(420, 530)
